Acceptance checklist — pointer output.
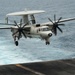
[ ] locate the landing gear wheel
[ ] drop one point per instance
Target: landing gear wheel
(47, 43)
(16, 43)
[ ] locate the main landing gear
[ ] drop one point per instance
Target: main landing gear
(16, 40)
(16, 43)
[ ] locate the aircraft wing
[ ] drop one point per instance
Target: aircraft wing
(54, 25)
(50, 24)
(65, 20)
(8, 27)
(5, 28)
(13, 27)
(6, 24)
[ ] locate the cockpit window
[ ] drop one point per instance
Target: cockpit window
(45, 29)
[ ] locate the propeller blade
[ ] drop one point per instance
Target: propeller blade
(24, 34)
(25, 25)
(56, 23)
(59, 29)
(55, 30)
(15, 33)
(16, 24)
(20, 22)
(19, 35)
(59, 19)
(54, 17)
(61, 24)
(50, 20)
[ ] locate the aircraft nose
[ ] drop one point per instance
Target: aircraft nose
(50, 34)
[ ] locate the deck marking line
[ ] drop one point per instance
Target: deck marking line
(67, 63)
(26, 68)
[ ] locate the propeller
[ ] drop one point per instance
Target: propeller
(56, 24)
(20, 29)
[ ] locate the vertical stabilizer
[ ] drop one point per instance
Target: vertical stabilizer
(33, 19)
(25, 19)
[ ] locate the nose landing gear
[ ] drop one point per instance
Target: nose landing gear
(47, 43)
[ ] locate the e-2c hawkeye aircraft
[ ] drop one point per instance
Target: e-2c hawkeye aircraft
(29, 28)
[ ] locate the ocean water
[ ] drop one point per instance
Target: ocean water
(33, 50)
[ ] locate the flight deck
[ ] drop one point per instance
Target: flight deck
(58, 67)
